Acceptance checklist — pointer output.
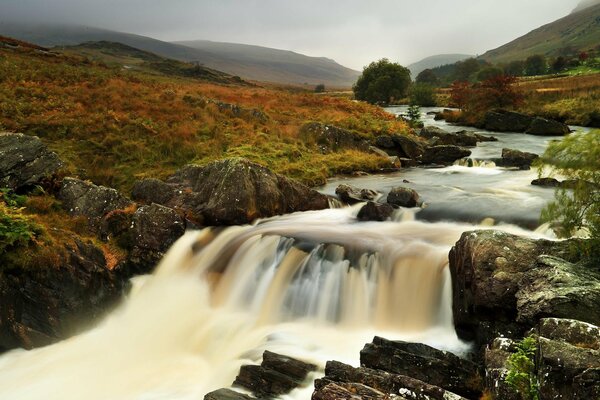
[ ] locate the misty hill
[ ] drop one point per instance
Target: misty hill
(575, 32)
(136, 59)
(585, 4)
(253, 62)
(435, 61)
(267, 64)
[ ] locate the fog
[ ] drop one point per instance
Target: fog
(353, 32)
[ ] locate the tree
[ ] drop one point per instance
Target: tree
(515, 68)
(577, 158)
(489, 72)
(382, 82)
(320, 88)
(535, 65)
(428, 77)
(423, 95)
(583, 56)
(559, 64)
(466, 70)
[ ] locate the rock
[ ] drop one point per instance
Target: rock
(438, 136)
(378, 151)
(506, 121)
(587, 384)
(546, 182)
(558, 288)
(516, 158)
(404, 197)
(241, 112)
(330, 138)
(230, 192)
(496, 369)
(444, 155)
(547, 127)
(401, 146)
(42, 303)
(352, 195)
(494, 287)
(571, 331)
(91, 201)
(375, 212)
(227, 394)
(277, 375)
(382, 382)
(25, 161)
(332, 391)
(419, 361)
(154, 229)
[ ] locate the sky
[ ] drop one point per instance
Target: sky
(352, 32)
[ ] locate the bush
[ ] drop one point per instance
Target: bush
(497, 92)
(521, 370)
(382, 82)
(320, 88)
(577, 157)
(535, 65)
(489, 73)
(422, 95)
(428, 77)
(16, 229)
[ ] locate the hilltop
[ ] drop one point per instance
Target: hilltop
(579, 31)
(434, 62)
(249, 62)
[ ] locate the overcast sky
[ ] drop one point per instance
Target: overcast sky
(353, 32)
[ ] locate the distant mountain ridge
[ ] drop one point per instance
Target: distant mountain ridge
(578, 31)
(250, 62)
(435, 61)
(585, 4)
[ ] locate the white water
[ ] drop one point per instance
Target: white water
(315, 285)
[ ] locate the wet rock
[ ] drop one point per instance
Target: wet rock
(495, 292)
(547, 127)
(438, 136)
(497, 367)
(404, 197)
(230, 192)
(25, 161)
(546, 182)
(331, 138)
(382, 382)
(227, 394)
(52, 298)
(444, 154)
(571, 331)
(352, 195)
(419, 361)
(277, 375)
(517, 159)
(373, 211)
(506, 121)
(333, 391)
(587, 384)
(401, 146)
(91, 201)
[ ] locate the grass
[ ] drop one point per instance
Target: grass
(114, 126)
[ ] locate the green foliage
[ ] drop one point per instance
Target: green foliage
(16, 229)
(414, 114)
(320, 88)
(423, 95)
(382, 82)
(536, 65)
(521, 370)
(577, 158)
(515, 68)
(489, 73)
(467, 69)
(428, 77)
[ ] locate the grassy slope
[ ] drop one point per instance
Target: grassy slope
(580, 31)
(114, 126)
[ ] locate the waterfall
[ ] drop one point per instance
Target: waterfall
(314, 285)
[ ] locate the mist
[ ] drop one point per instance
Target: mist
(353, 32)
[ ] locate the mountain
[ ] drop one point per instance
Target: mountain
(576, 32)
(435, 61)
(585, 4)
(248, 62)
(267, 64)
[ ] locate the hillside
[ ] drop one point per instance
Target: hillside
(266, 64)
(576, 32)
(435, 61)
(585, 4)
(249, 62)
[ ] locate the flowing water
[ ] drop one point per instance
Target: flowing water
(315, 285)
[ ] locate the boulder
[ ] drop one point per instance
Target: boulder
(226, 394)
(82, 198)
(546, 182)
(52, 298)
(501, 286)
(404, 197)
(373, 211)
(517, 159)
(438, 136)
(352, 195)
(422, 362)
(25, 161)
(230, 192)
(400, 145)
(506, 121)
(444, 155)
(331, 138)
(547, 127)
(379, 382)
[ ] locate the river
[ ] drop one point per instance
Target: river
(315, 285)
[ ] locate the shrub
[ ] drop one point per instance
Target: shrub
(521, 370)
(535, 65)
(320, 88)
(423, 95)
(382, 82)
(428, 77)
(577, 157)
(16, 229)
